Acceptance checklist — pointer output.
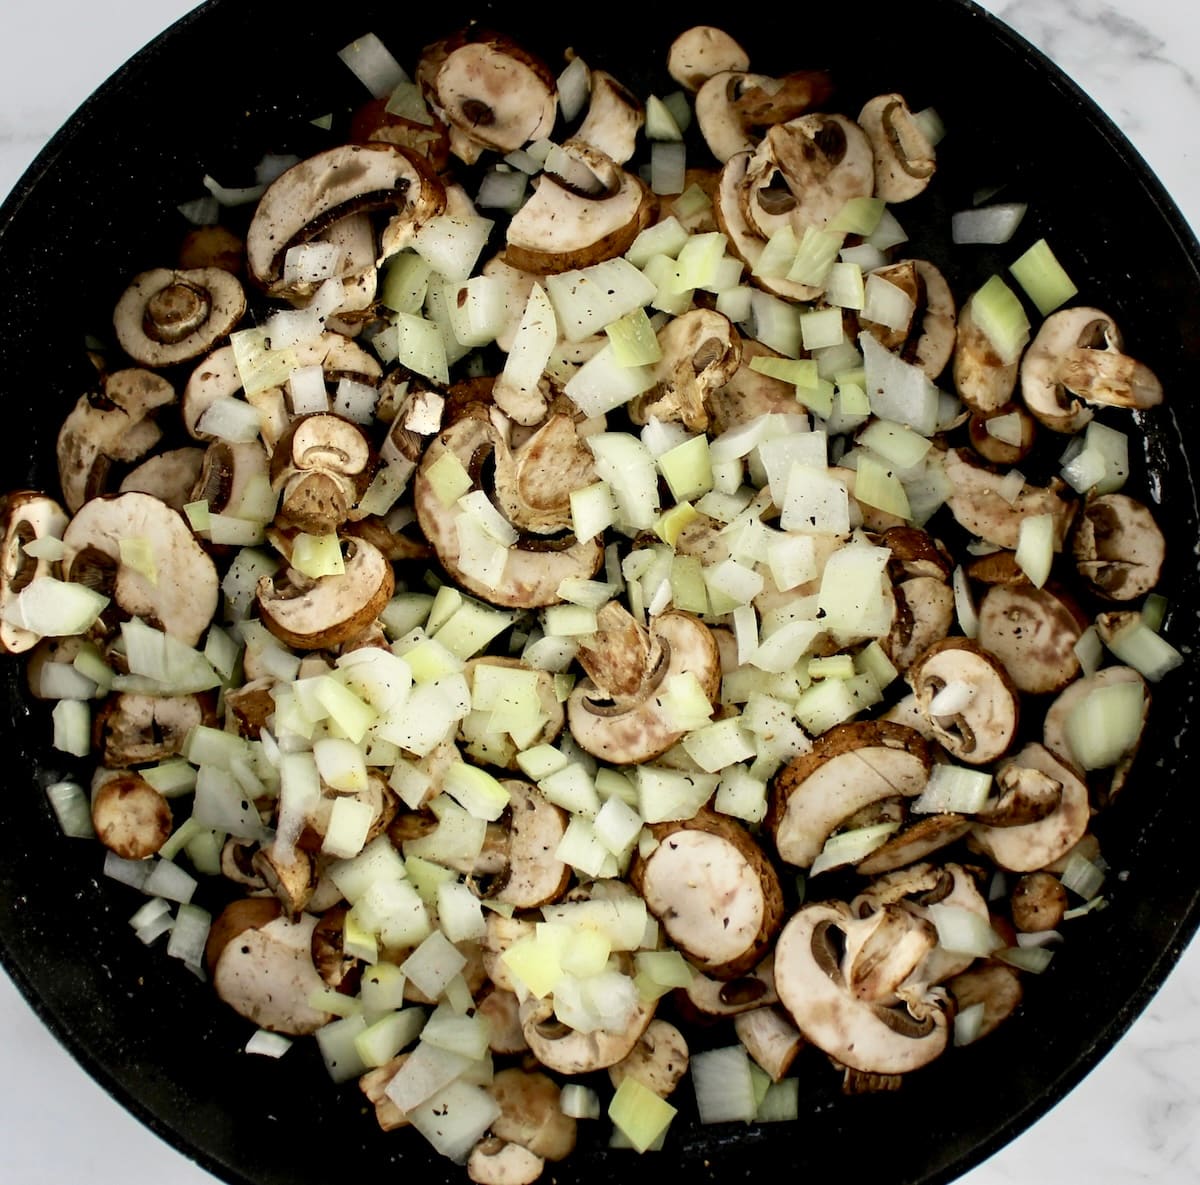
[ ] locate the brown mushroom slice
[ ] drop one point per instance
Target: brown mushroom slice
(182, 596)
(860, 1034)
(289, 875)
(706, 999)
(496, 93)
(804, 171)
(26, 516)
(733, 107)
(701, 352)
(502, 1010)
(211, 246)
(714, 891)
(983, 380)
(568, 1051)
(914, 842)
(530, 1114)
(1033, 632)
(979, 723)
(770, 1039)
(979, 508)
(1117, 547)
(560, 228)
(883, 950)
(905, 160)
(131, 729)
(111, 424)
(614, 117)
(533, 568)
(266, 974)
(658, 1061)
(245, 913)
(535, 876)
(131, 818)
(995, 986)
(1023, 796)
(1038, 902)
(167, 316)
(170, 477)
(1074, 361)
(634, 728)
(1019, 434)
(702, 51)
(748, 393)
(1036, 845)
(311, 196)
(321, 465)
(850, 767)
(534, 481)
(226, 472)
(316, 614)
(925, 614)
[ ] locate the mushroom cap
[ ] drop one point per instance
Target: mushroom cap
(706, 998)
(534, 481)
(1118, 548)
(905, 160)
(713, 889)
(634, 728)
(995, 986)
(857, 1033)
(167, 316)
(770, 1039)
(733, 106)
(317, 614)
(1033, 631)
(322, 465)
(850, 767)
(182, 598)
(311, 196)
(702, 51)
(131, 818)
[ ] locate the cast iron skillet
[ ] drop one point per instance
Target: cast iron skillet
(233, 80)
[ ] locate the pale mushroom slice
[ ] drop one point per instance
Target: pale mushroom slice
(734, 107)
(535, 480)
(321, 466)
(494, 1162)
(658, 1061)
(318, 192)
(706, 999)
(701, 352)
(568, 1051)
(614, 117)
(702, 51)
(905, 160)
(170, 477)
(1034, 846)
(533, 875)
(167, 316)
(131, 818)
(111, 424)
(804, 171)
(316, 614)
(850, 767)
(1117, 547)
(533, 566)
(748, 393)
(618, 713)
(861, 1034)
(178, 596)
(713, 889)
(925, 614)
(530, 1113)
(1023, 795)
(969, 699)
(132, 729)
(995, 986)
(1074, 362)
(982, 378)
(770, 1039)
(495, 93)
(1033, 632)
(26, 516)
(916, 840)
(561, 227)
(266, 974)
(978, 506)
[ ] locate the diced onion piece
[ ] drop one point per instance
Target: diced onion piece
(954, 788)
(723, 1084)
(660, 121)
(859, 216)
(230, 419)
(641, 1115)
(370, 61)
(667, 237)
(318, 555)
(502, 189)
(451, 244)
(849, 847)
(963, 930)
(588, 299)
(899, 391)
(700, 261)
(1034, 959)
(1035, 547)
(887, 233)
(602, 383)
(886, 304)
(1044, 279)
(821, 329)
(579, 1102)
(1105, 724)
(817, 253)
(987, 224)
(876, 485)
(574, 84)
(968, 1024)
(72, 809)
(668, 166)
(844, 286)
(964, 603)
(189, 934)
(633, 340)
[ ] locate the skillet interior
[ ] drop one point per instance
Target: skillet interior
(100, 204)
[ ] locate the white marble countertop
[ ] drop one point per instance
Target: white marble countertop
(1137, 1115)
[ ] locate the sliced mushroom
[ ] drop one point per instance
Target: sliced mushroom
(1075, 361)
(317, 614)
(494, 1162)
(714, 891)
(569, 1051)
(131, 729)
(561, 227)
(1033, 632)
(1038, 902)
(530, 1114)
(734, 107)
(211, 246)
(1023, 795)
(1117, 547)
(496, 93)
(534, 481)
(311, 196)
(976, 719)
(502, 1010)
(850, 767)
(618, 713)
(321, 465)
(658, 1061)
(748, 393)
(236, 857)
(925, 614)
(979, 508)
(1036, 845)
(928, 340)
(179, 597)
(706, 999)
(614, 117)
(702, 51)
(858, 1033)
(914, 842)
(167, 316)
(111, 424)
(1017, 442)
(170, 477)
(289, 874)
(770, 1039)
(374, 1084)
(227, 470)
(982, 378)
(266, 974)
(131, 818)
(534, 876)
(533, 568)
(995, 986)
(25, 517)
(905, 160)
(701, 352)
